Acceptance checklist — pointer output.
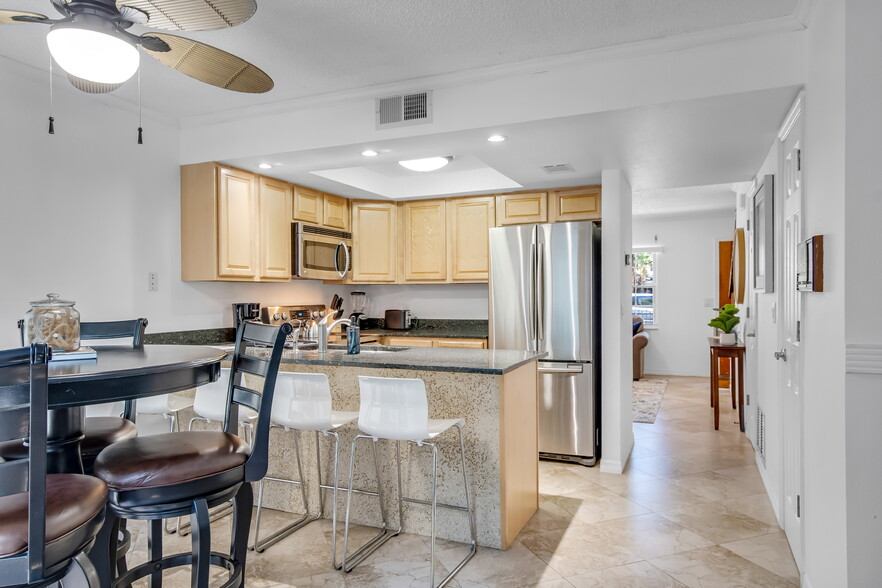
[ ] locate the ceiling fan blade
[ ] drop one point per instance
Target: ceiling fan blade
(91, 87)
(19, 17)
(208, 64)
(193, 15)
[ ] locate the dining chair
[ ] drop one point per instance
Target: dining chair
(104, 424)
(164, 476)
(47, 522)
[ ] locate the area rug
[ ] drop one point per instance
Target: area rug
(647, 396)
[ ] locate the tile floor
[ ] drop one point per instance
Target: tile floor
(690, 510)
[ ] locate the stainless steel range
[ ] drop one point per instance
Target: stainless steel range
(302, 317)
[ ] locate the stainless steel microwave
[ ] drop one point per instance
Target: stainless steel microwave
(320, 253)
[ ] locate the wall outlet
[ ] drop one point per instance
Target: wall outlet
(152, 282)
(708, 302)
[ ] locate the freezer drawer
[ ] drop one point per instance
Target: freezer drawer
(567, 415)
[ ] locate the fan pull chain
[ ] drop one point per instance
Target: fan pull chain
(51, 107)
(140, 129)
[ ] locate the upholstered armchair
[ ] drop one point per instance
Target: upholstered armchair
(640, 341)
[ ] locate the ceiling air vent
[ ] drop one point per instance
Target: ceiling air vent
(404, 109)
(560, 168)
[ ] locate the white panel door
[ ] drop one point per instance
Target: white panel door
(790, 356)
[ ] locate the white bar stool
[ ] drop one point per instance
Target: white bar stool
(302, 402)
(166, 405)
(210, 405)
(397, 409)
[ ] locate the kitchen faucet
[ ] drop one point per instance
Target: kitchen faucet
(325, 329)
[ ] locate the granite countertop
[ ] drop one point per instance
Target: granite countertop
(434, 328)
(433, 359)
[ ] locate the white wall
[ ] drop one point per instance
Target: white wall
(88, 213)
(446, 301)
(617, 433)
(686, 276)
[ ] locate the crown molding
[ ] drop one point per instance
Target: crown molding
(793, 23)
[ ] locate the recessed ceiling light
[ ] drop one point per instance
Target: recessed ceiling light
(369, 153)
(496, 138)
(426, 164)
(265, 166)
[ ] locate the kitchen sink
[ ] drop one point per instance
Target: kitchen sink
(369, 348)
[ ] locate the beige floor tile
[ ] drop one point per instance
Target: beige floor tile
(550, 517)
(714, 486)
(718, 523)
(562, 480)
(577, 550)
(517, 566)
(636, 575)
(769, 551)
(649, 535)
(661, 494)
(403, 572)
(756, 506)
(598, 504)
(665, 466)
(618, 483)
(717, 567)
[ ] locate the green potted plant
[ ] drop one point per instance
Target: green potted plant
(726, 322)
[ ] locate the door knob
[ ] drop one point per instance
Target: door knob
(782, 355)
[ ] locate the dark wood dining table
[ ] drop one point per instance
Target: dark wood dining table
(119, 373)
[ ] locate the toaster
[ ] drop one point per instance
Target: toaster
(398, 319)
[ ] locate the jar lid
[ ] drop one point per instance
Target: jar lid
(52, 300)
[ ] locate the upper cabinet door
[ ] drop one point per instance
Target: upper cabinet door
(470, 221)
(307, 205)
(574, 204)
(374, 254)
(275, 229)
(336, 212)
(237, 223)
(425, 240)
(519, 209)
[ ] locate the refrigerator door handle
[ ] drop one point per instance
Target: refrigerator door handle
(561, 370)
(540, 294)
(532, 318)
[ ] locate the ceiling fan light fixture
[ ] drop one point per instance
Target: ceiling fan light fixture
(93, 55)
(427, 164)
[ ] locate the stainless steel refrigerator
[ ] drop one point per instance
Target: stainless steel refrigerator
(545, 296)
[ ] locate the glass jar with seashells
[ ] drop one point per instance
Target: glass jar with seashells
(55, 322)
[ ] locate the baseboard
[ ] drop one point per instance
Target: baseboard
(617, 466)
(773, 499)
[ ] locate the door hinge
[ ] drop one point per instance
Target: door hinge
(798, 506)
(799, 160)
(747, 312)
(798, 330)
(747, 401)
(748, 225)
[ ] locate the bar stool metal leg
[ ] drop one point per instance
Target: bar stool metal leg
(357, 556)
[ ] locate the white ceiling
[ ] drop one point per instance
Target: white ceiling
(688, 143)
(691, 200)
(314, 47)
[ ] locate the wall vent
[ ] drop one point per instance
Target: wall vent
(559, 168)
(404, 109)
(761, 433)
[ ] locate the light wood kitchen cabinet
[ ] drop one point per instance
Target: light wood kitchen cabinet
(434, 342)
(575, 204)
(470, 219)
(275, 199)
(425, 240)
(235, 226)
(336, 212)
(374, 247)
(521, 208)
(307, 205)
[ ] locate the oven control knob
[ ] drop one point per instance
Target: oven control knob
(276, 317)
(284, 316)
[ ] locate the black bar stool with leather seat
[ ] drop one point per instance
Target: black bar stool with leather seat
(46, 521)
(164, 476)
(98, 431)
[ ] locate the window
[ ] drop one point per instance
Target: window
(643, 286)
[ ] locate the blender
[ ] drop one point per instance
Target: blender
(359, 302)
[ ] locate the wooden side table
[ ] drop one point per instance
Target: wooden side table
(736, 354)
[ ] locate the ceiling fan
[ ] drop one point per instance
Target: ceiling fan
(92, 45)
